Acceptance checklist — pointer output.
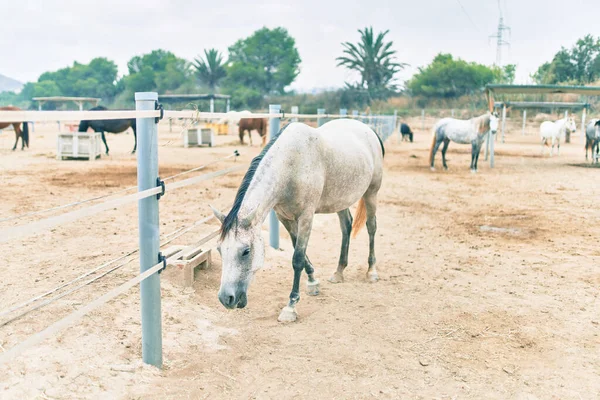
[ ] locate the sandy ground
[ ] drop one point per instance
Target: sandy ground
(489, 284)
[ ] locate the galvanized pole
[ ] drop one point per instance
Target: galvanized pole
(423, 119)
(453, 113)
(343, 112)
(273, 221)
(582, 135)
(524, 122)
(295, 110)
(487, 145)
(492, 163)
(147, 166)
(212, 105)
(503, 123)
(355, 113)
(320, 120)
(228, 106)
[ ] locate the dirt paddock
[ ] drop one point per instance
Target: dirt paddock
(489, 284)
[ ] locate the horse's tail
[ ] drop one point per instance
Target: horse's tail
(433, 137)
(360, 218)
(25, 133)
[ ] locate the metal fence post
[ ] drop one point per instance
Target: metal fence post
(492, 163)
(503, 123)
(524, 122)
(397, 125)
(273, 221)
(583, 127)
(320, 120)
(355, 113)
(147, 167)
(295, 110)
(423, 119)
(343, 112)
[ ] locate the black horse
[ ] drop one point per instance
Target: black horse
(407, 133)
(109, 125)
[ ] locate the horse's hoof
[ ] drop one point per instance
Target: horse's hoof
(433, 169)
(473, 171)
(288, 314)
(337, 277)
(445, 168)
(372, 277)
(312, 288)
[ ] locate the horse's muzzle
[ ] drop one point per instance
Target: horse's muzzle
(232, 296)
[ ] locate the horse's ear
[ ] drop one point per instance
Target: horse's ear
(247, 222)
(220, 216)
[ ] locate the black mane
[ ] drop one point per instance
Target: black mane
(597, 122)
(231, 219)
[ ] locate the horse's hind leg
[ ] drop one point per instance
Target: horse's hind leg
(312, 286)
(135, 141)
(346, 225)
(288, 314)
(446, 143)
(371, 204)
(17, 135)
(436, 146)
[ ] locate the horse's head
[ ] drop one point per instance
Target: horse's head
(494, 122)
(570, 124)
(242, 252)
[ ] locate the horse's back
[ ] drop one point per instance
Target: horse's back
(548, 128)
(458, 130)
(341, 159)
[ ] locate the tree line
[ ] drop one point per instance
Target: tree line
(262, 66)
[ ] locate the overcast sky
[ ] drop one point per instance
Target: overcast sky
(37, 36)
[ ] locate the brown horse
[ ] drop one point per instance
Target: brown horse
(19, 133)
(249, 124)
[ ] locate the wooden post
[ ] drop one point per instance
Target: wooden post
(524, 122)
(149, 230)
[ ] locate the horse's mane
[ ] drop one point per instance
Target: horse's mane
(231, 219)
(482, 123)
(597, 123)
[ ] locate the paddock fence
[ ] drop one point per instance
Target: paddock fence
(150, 188)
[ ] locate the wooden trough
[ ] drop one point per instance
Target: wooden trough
(186, 260)
(86, 145)
(198, 137)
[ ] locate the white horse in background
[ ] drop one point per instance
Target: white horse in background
(473, 131)
(554, 131)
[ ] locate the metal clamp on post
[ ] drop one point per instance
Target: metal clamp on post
(162, 259)
(158, 106)
(161, 183)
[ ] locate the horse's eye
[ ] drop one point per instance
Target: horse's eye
(246, 252)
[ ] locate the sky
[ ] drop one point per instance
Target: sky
(38, 36)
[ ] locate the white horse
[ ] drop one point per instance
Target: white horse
(473, 131)
(302, 171)
(554, 131)
(592, 139)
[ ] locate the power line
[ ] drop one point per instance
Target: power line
(467, 14)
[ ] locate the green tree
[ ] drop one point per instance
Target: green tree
(158, 70)
(373, 58)
(210, 70)
(264, 63)
(96, 79)
(449, 77)
(578, 65)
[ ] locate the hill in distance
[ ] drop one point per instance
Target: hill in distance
(9, 85)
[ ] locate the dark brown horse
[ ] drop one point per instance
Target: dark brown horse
(19, 133)
(250, 124)
(109, 125)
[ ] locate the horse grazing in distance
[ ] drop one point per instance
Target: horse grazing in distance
(554, 131)
(19, 133)
(407, 133)
(250, 124)
(471, 131)
(109, 125)
(592, 139)
(302, 171)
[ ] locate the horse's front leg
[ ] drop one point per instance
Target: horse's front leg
(288, 314)
(346, 226)
(104, 140)
(17, 134)
(312, 286)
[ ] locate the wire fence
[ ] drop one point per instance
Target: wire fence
(147, 132)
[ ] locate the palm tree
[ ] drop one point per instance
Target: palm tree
(373, 59)
(210, 70)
